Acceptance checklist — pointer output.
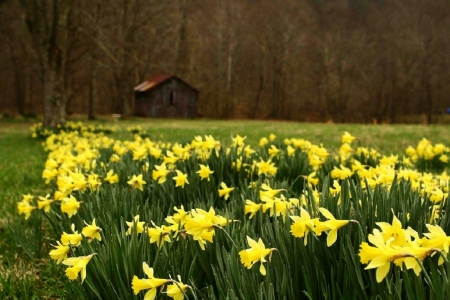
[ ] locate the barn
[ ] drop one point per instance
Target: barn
(165, 96)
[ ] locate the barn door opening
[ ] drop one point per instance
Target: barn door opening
(171, 96)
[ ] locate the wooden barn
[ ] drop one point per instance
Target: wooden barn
(165, 96)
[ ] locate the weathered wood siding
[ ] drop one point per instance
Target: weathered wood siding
(171, 99)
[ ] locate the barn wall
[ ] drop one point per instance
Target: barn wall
(170, 99)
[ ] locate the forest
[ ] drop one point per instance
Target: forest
(367, 61)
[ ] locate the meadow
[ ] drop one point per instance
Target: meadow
(286, 189)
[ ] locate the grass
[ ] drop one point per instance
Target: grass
(22, 160)
(386, 138)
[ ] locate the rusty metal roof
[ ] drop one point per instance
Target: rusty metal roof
(152, 82)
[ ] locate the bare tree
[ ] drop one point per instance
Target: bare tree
(48, 23)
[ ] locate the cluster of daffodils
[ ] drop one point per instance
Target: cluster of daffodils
(403, 247)
(197, 223)
(304, 224)
(82, 162)
(137, 129)
(68, 244)
(38, 130)
(427, 151)
(67, 183)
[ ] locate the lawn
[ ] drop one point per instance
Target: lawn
(29, 273)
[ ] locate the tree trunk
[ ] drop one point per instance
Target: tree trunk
(48, 25)
(55, 99)
(92, 91)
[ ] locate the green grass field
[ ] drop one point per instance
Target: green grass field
(22, 160)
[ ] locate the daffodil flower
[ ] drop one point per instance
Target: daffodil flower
(256, 252)
(135, 224)
(180, 179)
(302, 225)
(92, 231)
(158, 235)
(437, 239)
(72, 239)
(70, 206)
(347, 138)
(251, 207)
(151, 283)
(160, 173)
(266, 167)
(137, 182)
(77, 265)
(25, 208)
(225, 190)
(380, 255)
(111, 177)
(44, 203)
(331, 225)
(204, 172)
(177, 289)
(201, 224)
(60, 252)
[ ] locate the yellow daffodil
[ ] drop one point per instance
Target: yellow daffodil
(160, 173)
(44, 203)
(380, 255)
(201, 224)
(237, 164)
(263, 141)
(137, 182)
(180, 179)
(71, 239)
(140, 153)
(177, 289)
(27, 198)
(248, 151)
(267, 192)
(393, 232)
(256, 252)
(70, 206)
(180, 215)
(93, 181)
(347, 138)
(158, 235)
(92, 231)
(266, 167)
(60, 252)
(437, 239)
(341, 173)
(225, 190)
(238, 141)
(77, 265)
(302, 225)
(204, 172)
(49, 175)
(138, 226)
(150, 283)
(111, 177)
(273, 151)
(25, 208)
(290, 150)
(331, 225)
(251, 207)
(437, 195)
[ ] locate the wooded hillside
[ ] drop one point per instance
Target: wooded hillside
(311, 60)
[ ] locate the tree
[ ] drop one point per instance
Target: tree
(47, 22)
